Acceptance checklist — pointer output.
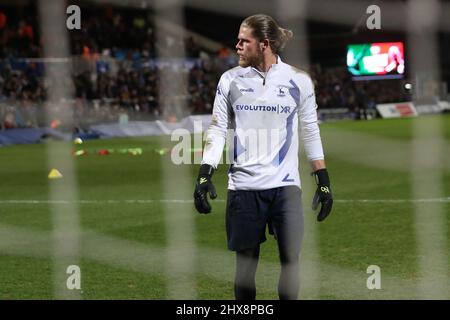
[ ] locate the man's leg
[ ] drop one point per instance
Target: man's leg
(289, 282)
(246, 217)
(244, 282)
(287, 222)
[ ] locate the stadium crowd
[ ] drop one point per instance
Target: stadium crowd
(116, 73)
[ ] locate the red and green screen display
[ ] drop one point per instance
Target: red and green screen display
(376, 59)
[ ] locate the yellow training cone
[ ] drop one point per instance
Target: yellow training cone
(54, 174)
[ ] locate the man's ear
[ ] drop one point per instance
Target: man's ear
(264, 44)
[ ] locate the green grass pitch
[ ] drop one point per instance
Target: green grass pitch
(124, 238)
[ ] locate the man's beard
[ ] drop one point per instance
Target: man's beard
(251, 61)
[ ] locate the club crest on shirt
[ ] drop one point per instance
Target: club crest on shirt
(281, 91)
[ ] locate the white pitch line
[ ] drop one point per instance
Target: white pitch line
(147, 201)
(394, 200)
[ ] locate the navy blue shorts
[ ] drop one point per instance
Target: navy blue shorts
(248, 213)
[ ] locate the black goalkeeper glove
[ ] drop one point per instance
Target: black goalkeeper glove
(323, 194)
(203, 186)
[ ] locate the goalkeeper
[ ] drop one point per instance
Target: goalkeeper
(270, 98)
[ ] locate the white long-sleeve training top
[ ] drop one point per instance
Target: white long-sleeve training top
(260, 115)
